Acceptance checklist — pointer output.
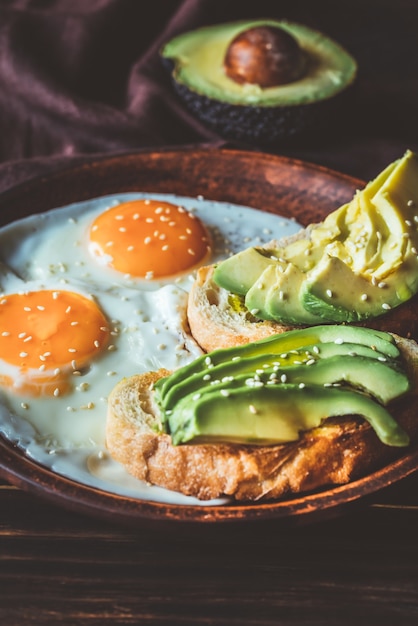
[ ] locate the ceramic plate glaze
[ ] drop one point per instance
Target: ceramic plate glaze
(289, 188)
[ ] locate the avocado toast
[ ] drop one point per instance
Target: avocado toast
(358, 266)
(296, 412)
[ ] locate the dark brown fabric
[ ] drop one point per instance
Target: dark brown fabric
(83, 77)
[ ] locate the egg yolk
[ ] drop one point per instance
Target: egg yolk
(45, 338)
(149, 239)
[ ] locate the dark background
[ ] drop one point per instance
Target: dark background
(84, 77)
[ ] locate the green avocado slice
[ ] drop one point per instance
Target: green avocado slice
(238, 273)
(274, 415)
(383, 379)
(281, 343)
(301, 365)
(275, 296)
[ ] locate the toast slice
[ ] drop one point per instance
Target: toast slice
(338, 451)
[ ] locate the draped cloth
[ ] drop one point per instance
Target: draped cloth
(84, 77)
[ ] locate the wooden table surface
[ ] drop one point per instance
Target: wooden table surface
(60, 567)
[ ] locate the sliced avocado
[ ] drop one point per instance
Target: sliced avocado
(378, 270)
(359, 263)
(268, 391)
(384, 380)
(274, 414)
(335, 293)
(240, 271)
(279, 344)
(276, 294)
(328, 363)
(239, 106)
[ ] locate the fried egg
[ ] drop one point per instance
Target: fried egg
(96, 291)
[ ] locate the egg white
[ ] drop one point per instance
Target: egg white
(148, 321)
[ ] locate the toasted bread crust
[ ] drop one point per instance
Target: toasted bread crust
(213, 322)
(335, 453)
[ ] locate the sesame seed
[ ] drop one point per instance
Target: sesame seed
(329, 293)
(386, 306)
(283, 378)
(339, 341)
(302, 385)
(72, 350)
(364, 297)
(23, 354)
(252, 409)
(24, 405)
(225, 393)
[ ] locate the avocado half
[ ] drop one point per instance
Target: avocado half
(246, 111)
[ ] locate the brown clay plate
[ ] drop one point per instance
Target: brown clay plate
(275, 184)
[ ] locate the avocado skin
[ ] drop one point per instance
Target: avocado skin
(257, 124)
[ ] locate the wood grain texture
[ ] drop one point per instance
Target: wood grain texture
(62, 568)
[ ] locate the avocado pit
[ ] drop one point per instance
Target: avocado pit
(267, 56)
